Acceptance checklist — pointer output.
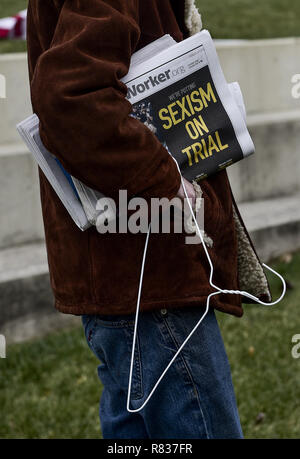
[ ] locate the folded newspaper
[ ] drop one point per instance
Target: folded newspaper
(178, 90)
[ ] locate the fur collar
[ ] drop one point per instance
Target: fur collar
(193, 20)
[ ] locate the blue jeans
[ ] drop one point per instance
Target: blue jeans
(195, 399)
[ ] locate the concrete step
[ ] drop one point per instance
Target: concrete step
(20, 208)
(274, 224)
(26, 299)
(26, 308)
(274, 169)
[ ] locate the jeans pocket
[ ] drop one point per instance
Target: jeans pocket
(115, 321)
(111, 342)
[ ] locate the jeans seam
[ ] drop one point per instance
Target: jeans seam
(139, 393)
(189, 375)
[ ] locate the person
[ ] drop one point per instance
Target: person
(77, 54)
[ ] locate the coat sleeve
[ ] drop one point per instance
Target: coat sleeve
(81, 103)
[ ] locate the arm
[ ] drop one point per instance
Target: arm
(81, 103)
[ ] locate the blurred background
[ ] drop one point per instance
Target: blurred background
(48, 382)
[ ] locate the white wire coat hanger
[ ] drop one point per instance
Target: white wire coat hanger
(217, 292)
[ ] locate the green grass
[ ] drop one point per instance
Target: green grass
(224, 19)
(11, 7)
(251, 18)
(266, 377)
(49, 388)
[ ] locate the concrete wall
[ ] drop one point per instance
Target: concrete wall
(17, 104)
(264, 69)
(20, 210)
(274, 170)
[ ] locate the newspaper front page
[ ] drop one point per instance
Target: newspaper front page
(182, 96)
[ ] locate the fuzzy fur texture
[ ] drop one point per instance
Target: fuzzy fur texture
(252, 278)
(192, 17)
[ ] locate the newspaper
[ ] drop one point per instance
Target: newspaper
(164, 74)
(181, 94)
(29, 131)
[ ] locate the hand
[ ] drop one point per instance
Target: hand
(190, 192)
